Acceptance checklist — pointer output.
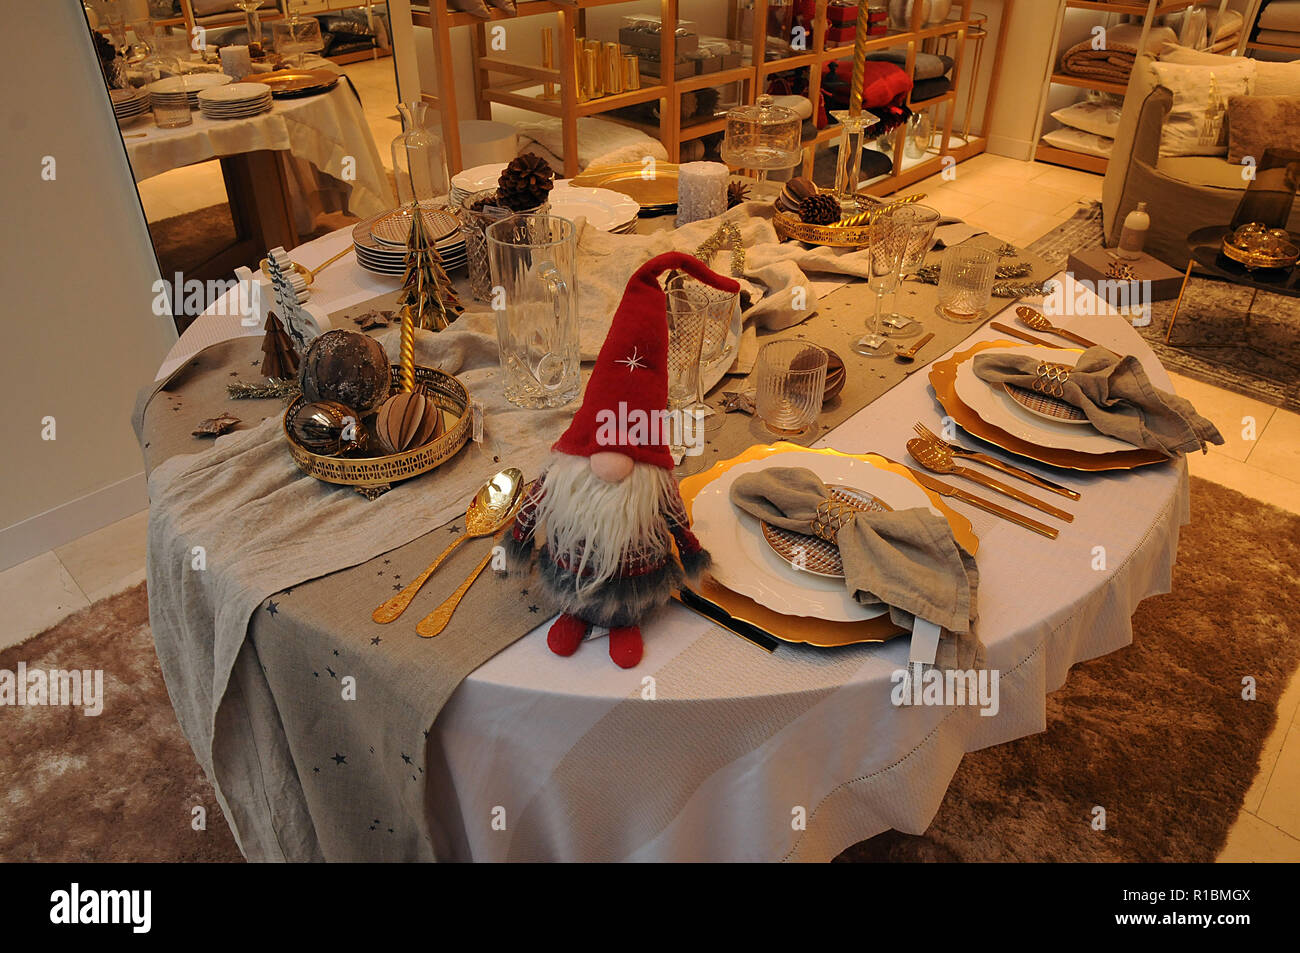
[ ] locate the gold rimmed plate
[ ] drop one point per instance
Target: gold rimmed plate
(291, 83)
(813, 554)
(943, 379)
(654, 187)
(1046, 406)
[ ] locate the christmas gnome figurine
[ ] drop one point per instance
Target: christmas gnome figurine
(607, 503)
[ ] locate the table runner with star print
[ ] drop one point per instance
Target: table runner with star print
(310, 719)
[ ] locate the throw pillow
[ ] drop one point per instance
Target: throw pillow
(1100, 119)
(1076, 140)
(476, 7)
(1271, 78)
(1256, 123)
(1196, 124)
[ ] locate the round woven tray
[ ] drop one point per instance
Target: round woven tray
(447, 392)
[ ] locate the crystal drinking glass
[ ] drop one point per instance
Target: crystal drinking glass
(721, 319)
(966, 276)
(918, 223)
(791, 383)
(884, 252)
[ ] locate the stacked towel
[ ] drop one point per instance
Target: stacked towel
(1279, 23)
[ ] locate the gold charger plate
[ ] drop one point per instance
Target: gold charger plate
(803, 629)
(943, 378)
(288, 83)
(654, 193)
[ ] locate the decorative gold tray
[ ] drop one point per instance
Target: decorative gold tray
(1260, 259)
(805, 629)
(290, 83)
(943, 378)
(449, 394)
(835, 236)
(653, 187)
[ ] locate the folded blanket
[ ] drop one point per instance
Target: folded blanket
(1279, 37)
(1115, 62)
(905, 560)
(1281, 15)
(1114, 392)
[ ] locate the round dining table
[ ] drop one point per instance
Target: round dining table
(711, 749)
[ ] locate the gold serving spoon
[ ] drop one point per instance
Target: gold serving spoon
(1038, 321)
(437, 620)
(906, 355)
(938, 459)
(492, 507)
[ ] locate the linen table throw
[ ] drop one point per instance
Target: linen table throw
(1117, 396)
(904, 560)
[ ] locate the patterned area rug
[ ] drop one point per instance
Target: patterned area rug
(1156, 733)
(1225, 335)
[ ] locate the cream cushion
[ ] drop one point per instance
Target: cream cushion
(1271, 79)
(1197, 122)
(1100, 119)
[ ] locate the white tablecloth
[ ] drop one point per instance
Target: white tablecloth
(582, 766)
(328, 131)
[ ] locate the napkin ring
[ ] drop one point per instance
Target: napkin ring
(1050, 378)
(831, 517)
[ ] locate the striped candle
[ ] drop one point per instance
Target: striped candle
(407, 351)
(860, 36)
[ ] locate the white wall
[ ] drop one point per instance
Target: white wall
(76, 276)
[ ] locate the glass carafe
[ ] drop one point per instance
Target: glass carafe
(419, 160)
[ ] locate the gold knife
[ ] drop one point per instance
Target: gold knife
(947, 489)
(1007, 329)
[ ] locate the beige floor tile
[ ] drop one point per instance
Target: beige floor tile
(1287, 706)
(1018, 226)
(1278, 448)
(1244, 478)
(1254, 841)
(1002, 166)
(950, 202)
(1281, 803)
(1083, 184)
(182, 190)
(107, 560)
(1228, 411)
(36, 594)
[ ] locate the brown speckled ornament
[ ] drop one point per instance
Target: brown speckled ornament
(406, 421)
(327, 427)
(348, 367)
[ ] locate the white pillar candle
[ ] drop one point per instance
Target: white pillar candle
(236, 62)
(701, 191)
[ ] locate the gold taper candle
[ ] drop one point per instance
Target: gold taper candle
(407, 352)
(860, 36)
(548, 61)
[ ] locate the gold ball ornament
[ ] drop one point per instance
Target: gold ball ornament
(328, 428)
(348, 367)
(408, 420)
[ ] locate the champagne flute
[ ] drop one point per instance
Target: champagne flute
(918, 222)
(884, 252)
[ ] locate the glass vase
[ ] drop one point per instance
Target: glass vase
(419, 160)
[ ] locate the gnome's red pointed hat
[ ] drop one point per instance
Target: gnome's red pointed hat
(632, 369)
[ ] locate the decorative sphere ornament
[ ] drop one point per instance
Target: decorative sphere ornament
(348, 367)
(328, 427)
(407, 420)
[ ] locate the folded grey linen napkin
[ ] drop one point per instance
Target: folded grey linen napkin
(1117, 396)
(906, 560)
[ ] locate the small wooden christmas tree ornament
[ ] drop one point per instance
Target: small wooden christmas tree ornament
(279, 356)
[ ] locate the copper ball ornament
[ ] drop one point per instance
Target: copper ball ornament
(328, 428)
(348, 367)
(408, 420)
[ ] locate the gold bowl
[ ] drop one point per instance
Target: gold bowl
(443, 389)
(1254, 246)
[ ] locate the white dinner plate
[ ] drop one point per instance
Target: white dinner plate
(229, 92)
(744, 563)
(477, 179)
(994, 406)
(604, 209)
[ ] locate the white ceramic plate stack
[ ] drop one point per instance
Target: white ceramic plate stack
(604, 209)
(128, 104)
(474, 180)
(171, 90)
(236, 101)
(380, 242)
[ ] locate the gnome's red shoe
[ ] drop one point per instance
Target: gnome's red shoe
(566, 634)
(625, 646)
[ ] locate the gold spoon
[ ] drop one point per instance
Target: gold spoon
(491, 508)
(906, 355)
(437, 620)
(939, 459)
(1038, 321)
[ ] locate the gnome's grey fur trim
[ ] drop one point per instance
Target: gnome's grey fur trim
(621, 601)
(519, 555)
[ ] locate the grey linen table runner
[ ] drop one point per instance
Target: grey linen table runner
(1117, 396)
(256, 645)
(904, 560)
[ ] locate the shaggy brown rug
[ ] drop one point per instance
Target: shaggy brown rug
(1157, 733)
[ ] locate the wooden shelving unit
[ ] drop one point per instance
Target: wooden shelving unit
(1252, 17)
(1148, 10)
(522, 79)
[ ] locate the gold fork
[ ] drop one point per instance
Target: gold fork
(925, 433)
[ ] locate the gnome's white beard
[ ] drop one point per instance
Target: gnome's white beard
(592, 525)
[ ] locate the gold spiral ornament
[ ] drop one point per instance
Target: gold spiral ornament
(407, 353)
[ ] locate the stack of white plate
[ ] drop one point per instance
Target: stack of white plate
(236, 101)
(380, 242)
(173, 89)
(474, 180)
(128, 104)
(604, 209)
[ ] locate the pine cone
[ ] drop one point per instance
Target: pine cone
(737, 192)
(525, 182)
(822, 209)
